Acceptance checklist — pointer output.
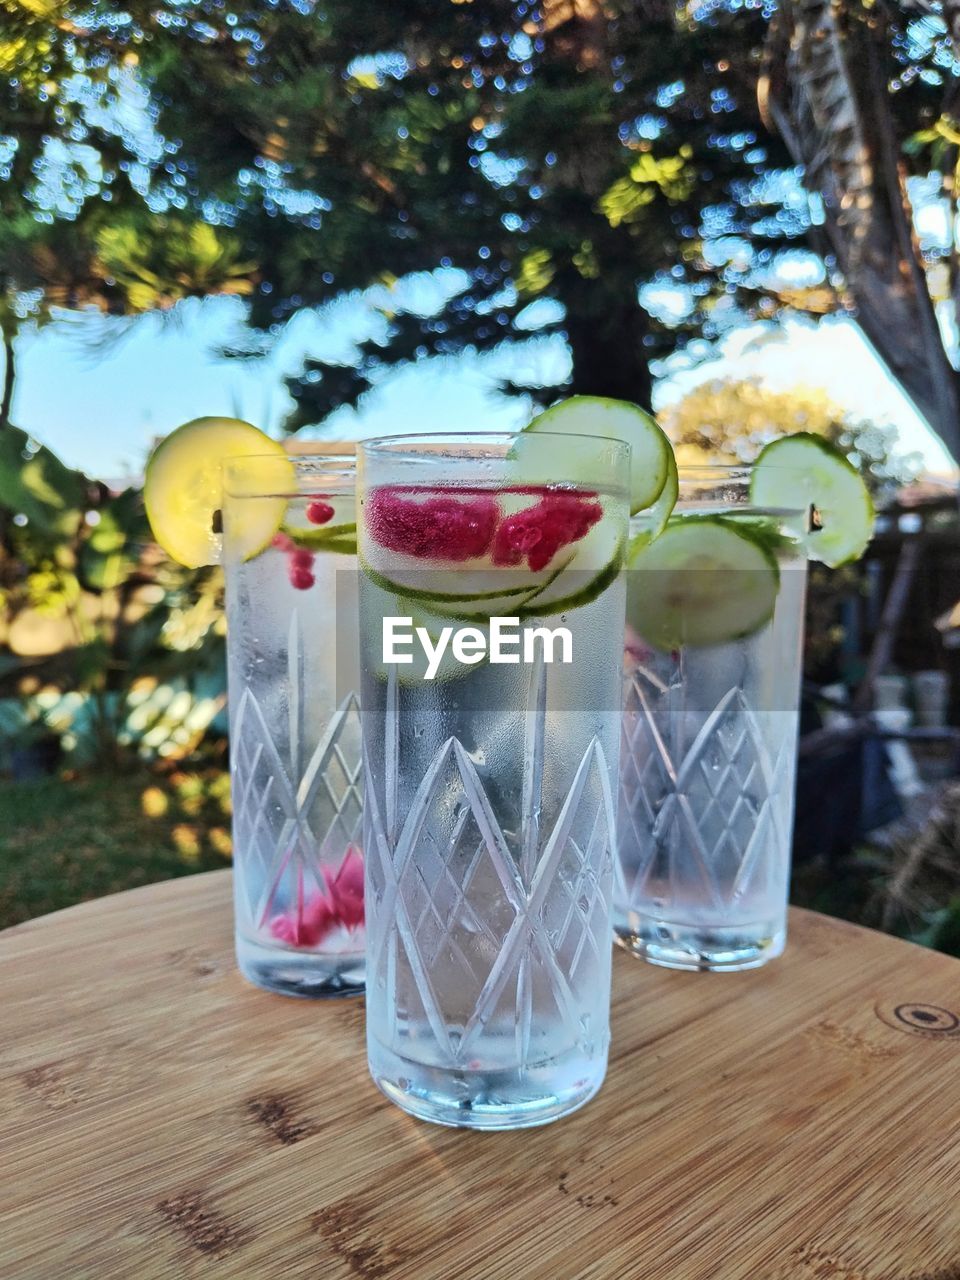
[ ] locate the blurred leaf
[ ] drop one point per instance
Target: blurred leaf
(535, 274)
(36, 484)
(103, 570)
(154, 802)
(51, 591)
(672, 177)
(178, 258)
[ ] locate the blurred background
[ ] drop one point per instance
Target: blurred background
(336, 218)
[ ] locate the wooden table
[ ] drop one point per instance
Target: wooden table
(160, 1118)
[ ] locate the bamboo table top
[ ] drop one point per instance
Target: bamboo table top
(160, 1118)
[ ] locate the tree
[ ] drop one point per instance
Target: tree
(728, 421)
(71, 236)
(865, 94)
(566, 152)
(569, 151)
(600, 156)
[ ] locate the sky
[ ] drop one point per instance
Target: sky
(102, 405)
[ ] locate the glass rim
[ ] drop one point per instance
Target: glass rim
(396, 443)
(335, 466)
(348, 458)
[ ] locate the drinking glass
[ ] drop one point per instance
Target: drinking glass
(489, 813)
(295, 753)
(708, 756)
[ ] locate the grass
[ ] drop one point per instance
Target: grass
(67, 839)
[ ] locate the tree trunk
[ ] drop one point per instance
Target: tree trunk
(9, 376)
(824, 90)
(605, 325)
(606, 335)
(603, 367)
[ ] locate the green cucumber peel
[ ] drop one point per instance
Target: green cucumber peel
(316, 539)
(445, 598)
(656, 588)
(517, 603)
(345, 546)
(834, 488)
(586, 595)
(761, 530)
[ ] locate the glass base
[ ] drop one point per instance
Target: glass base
(505, 1099)
(300, 973)
(701, 947)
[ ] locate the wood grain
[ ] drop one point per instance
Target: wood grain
(159, 1118)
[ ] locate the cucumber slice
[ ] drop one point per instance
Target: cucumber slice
(701, 582)
(804, 470)
(596, 563)
(596, 416)
(182, 489)
(578, 581)
(483, 594)
(649, 524)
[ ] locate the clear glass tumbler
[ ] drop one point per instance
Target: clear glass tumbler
(708, 752)
(489, 812)
(295, 751)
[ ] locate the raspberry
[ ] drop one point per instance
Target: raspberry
(538, 532)
(541, 555)
(319, 512)
(302, 558)
(346, 889)
(301, 578)
(440, 528)
(307, 925)
(518, 536)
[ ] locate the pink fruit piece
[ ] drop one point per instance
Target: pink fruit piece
(301, 578)
(518, 536)
(302, 557)
(537, 533)
(345, 887)
(283, 542)
(634, 645)
(319, 512)
(306, 927)
(439, 528)
(319, 918)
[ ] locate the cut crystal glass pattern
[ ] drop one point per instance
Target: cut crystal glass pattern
(470, 932)
(293, 817)
(704, 798)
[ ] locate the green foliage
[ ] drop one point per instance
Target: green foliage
(545, 151)
(35, 484)
(670, 176)
(180, 258)
(555, 152)
(728, 421)
(101, 638)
